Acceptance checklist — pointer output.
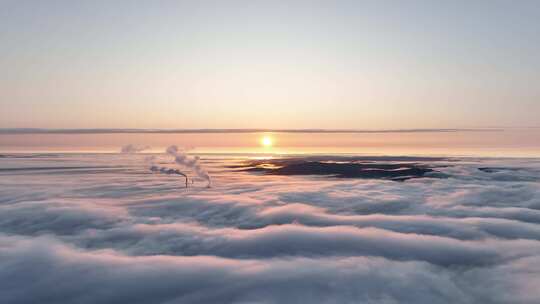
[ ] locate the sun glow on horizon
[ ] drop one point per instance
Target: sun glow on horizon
(266, 141)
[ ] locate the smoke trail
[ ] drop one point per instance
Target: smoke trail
(193, 163)
(169, 171)
(129, 149)
(151, 160)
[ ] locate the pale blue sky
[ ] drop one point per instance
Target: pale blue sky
(269, 64)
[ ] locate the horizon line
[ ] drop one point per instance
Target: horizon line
(231, 130)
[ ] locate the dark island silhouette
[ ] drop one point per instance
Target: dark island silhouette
(390, 168)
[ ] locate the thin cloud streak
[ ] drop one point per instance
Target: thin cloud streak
(233, 131)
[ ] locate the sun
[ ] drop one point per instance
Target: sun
(266, 141)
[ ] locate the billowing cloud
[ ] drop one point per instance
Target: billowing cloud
(126, 235)
(106, 276)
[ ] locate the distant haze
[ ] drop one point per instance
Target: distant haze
(496, 142)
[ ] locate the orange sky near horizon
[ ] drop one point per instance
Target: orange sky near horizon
(510, 142)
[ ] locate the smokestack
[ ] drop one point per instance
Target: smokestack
(192, 163)
(169, 171)
(179, 158)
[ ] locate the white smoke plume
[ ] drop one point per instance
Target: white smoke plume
(190, 162)
(151, 160)
(169, 171)
(132, 149)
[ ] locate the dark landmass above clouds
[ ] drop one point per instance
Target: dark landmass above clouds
(497, 169)
(346, 167)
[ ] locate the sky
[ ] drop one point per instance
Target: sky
(269, 64)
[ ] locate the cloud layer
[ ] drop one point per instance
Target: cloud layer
(121, 234)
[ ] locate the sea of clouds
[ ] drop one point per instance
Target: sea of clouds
(105, 229)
